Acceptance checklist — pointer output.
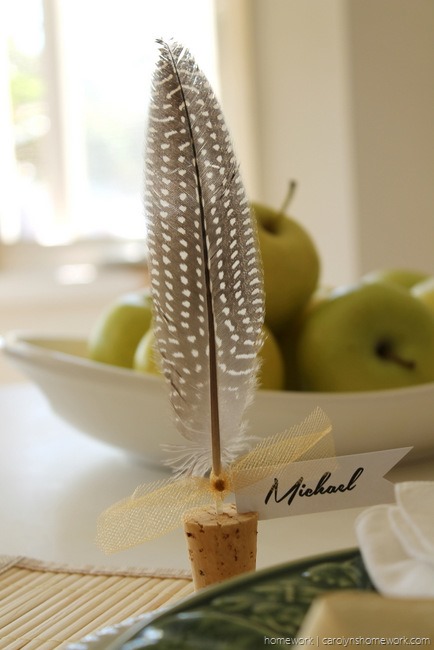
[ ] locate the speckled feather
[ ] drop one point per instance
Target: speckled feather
(205, 267)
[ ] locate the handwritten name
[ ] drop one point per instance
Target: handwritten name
(322, 487)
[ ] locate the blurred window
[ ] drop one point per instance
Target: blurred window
(74, 78)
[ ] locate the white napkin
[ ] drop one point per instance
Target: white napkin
(397, 542)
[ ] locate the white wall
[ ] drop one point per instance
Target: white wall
(392, 74)
(304, 116)
(342, 99)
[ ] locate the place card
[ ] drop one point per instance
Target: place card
(322, 484)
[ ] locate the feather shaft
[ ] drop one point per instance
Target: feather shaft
(213, 381)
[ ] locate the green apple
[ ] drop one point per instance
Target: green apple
(271, 370)
(370, 336)
(146, 355)
(271, 374)
(118, 330)
(424, 291)
(288, 338)
(402, 277)
(290, 262)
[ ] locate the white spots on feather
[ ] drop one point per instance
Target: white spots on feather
(250, 356)
(230, 326)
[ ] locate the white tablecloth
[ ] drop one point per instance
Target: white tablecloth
(54, 482)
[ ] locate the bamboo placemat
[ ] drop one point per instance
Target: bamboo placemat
(44, 606)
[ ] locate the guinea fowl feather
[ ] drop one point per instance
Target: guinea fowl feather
(205, 266)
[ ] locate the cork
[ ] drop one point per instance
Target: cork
(220, 545)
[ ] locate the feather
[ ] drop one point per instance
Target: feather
(205, 266)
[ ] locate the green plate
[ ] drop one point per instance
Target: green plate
(240, 613)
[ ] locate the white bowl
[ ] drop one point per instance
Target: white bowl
(130, 410)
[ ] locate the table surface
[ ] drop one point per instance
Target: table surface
(55, 481)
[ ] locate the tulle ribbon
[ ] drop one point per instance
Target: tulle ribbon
(156, 508)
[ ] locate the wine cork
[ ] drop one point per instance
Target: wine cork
(220, 544)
